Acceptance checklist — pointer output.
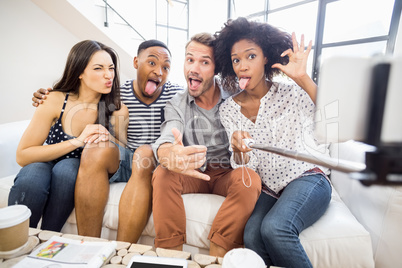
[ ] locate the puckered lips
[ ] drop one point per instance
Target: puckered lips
(243, 81)
(152, 85)
(195, 82)
(109, 83)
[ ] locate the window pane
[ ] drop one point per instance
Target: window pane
(177, 37)
(125, 10)
(161, 34)
(273, 4)
(257, 18)
(176, 44)
(359, 50)
(161, 11)
(309, 68)
(178, 15)
(355, 19)
(241, 8)
(304, 18)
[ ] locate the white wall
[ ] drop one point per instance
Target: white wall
(34, 47)
(33, 52)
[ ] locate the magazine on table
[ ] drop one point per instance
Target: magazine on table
(65, 252)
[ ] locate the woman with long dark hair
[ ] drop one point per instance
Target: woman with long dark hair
(84, 107)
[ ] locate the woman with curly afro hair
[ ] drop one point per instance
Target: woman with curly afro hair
(295, 194)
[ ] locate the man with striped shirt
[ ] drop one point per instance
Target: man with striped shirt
(145, 120)
(105, 162)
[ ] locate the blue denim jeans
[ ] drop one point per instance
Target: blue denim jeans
(123, 173)
(275, 224)
(47, 189)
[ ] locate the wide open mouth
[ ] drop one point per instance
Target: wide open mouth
(194, 83)
(151, 86)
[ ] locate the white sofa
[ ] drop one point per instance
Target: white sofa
(338, 239)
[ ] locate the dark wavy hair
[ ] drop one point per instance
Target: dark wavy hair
(77, 60)
(271, 40)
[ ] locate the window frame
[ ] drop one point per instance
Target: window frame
(318, 45)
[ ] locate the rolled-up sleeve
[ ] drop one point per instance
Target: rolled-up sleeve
(173, 119)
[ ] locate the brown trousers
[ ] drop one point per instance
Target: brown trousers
(228, 226)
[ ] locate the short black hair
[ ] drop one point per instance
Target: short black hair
(152, 43)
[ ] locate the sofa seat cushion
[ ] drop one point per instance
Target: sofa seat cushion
(337, 239)
(200, 212)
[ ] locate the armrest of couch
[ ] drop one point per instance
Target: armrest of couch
(10, 135)
(377, 208)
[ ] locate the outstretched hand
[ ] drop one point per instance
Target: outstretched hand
(183, 159)
(296, 68)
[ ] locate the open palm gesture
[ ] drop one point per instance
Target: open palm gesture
(296, 68)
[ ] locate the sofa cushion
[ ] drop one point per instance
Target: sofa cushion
(337, 239)
(377, 207)
(200, 212)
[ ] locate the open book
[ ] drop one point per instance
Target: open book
(65, 252)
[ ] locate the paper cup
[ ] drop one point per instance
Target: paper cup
(14, 227)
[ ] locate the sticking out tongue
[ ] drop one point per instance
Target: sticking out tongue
(150, 87)
(243, 82)
(194, 84)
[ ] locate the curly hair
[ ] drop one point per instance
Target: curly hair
(271, 40)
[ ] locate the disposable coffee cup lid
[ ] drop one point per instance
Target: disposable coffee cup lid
(13, 215)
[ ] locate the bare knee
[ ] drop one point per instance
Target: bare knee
(144, 159)
(102, 154)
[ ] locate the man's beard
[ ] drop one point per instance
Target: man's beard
(206, 84)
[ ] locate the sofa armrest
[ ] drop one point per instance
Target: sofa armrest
(377, 208)
(10, 135)
(5, 185)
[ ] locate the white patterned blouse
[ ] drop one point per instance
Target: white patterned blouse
(284, 120)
